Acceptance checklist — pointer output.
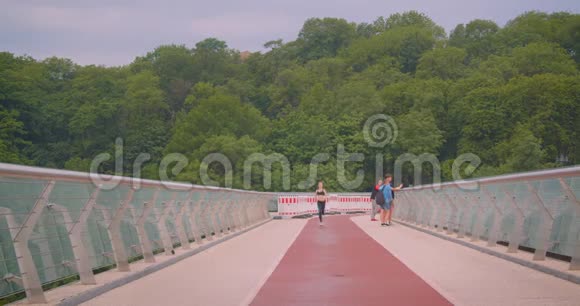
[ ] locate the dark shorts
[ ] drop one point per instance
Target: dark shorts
(386, 205)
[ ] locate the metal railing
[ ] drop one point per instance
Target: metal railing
(538, 210)
(55, 223)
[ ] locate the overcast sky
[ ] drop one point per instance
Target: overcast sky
(114, 32)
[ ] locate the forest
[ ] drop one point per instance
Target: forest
(510, 95)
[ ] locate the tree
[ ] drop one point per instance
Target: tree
(445, 63)
(509, 95)
(174, 65)
(217, 115)
(418, 133)
(478, 38)
(406, 44)
(543, 57)
(11, 132)
(569, 36)
(522, 152)
(145, 115)
(213, 61)
(324, 37)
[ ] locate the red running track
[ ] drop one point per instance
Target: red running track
(339, 264)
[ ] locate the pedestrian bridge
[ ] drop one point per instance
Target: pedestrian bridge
(70, 238)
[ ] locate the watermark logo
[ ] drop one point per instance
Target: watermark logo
(379, 131)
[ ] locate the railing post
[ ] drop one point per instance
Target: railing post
(244, 212)
(516, 235)
(465, 208)
(231, 206)
(79, 246)
(434, 211)
(265, 211)
(479, 220)
(196, 228)
(254, 210)
(162, 225)
(237, 214)
(114, 230)
(143, 237)
(46, 257)
(545, 226)
(235, 205)
(418, 207)
(414, 207)
(228, 207)
(142, 233)
(28, 272)
(497, 218)
(218, 215)
(425, 212)
(206, 218)
(575, 262)
(20, 236)
(411, 215)
(451, 222)
(74, 230)
(229, 211)
(30, 279)
(179, 224)
(441, 211)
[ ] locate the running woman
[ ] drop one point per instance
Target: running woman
(321, 196)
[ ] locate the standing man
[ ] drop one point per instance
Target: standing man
(388, 192)
(392, 203)
(374, 206)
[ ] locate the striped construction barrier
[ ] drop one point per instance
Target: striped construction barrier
(290, 205)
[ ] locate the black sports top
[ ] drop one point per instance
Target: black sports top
(322, 192)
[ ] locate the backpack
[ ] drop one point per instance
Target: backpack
(380, 198)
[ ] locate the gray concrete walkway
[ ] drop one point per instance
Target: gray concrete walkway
(466, 276)
(230, 273)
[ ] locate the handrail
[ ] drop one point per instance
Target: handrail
(531, 175)
(215, 212)
(21, 171)
(524, 211)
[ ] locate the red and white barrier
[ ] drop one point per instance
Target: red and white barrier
(290, 205)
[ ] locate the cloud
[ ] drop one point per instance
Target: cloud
(113, 32)
(246, 30)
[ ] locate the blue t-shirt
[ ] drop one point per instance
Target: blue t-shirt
(387, 193)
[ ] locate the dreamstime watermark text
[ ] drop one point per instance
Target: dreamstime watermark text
(379, 131)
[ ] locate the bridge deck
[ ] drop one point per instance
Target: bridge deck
(350, 261)
(338, 264)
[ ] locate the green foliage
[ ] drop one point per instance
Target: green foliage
(414, 18)
(11, 132)
(522, 152)
(444, 63)
(477, 38)
(542, 57)
(510, 95)
(219, 114)
(324, 37)
(419, 133)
